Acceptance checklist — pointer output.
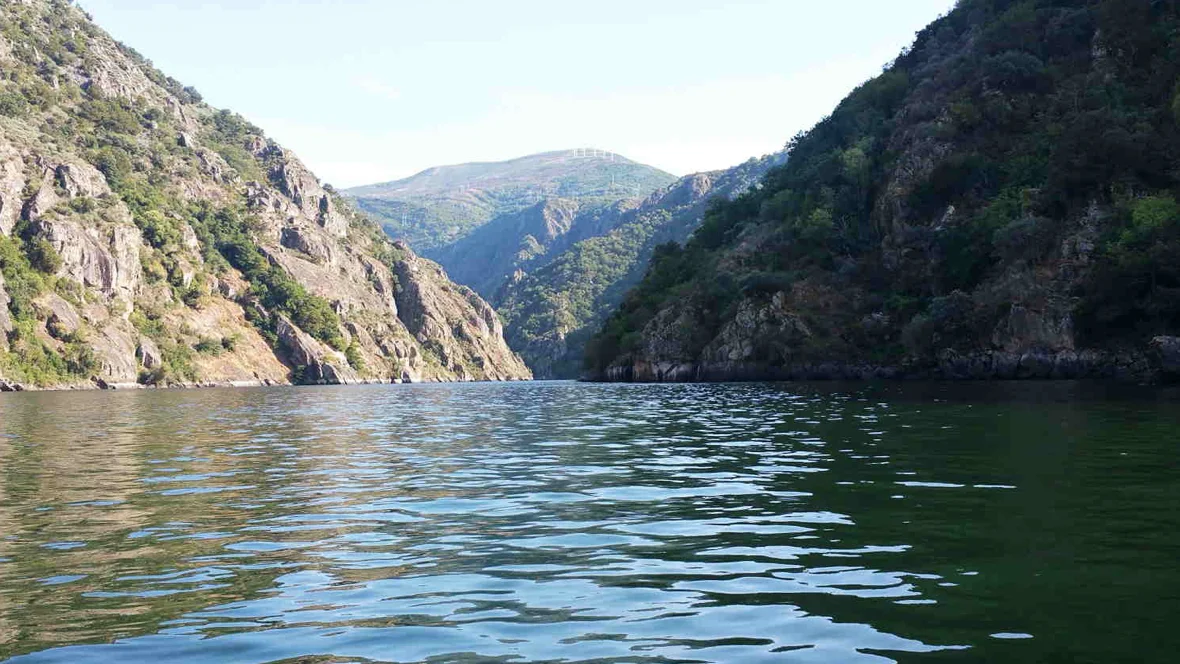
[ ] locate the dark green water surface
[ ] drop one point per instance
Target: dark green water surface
(558, 522)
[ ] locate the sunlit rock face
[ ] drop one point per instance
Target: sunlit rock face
(150, 239)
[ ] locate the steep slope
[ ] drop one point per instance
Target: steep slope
(552, 305)
(1000, 203)
(145, 237)
(519, 241)
(445, 204)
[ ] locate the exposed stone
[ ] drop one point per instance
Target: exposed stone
(79, 180)
(110, 264)
(304, 241)
(1166, 351)
(44, 199)
(12, 184)
(103, 253)
(62, 321)
(148, 354)
(114, 346)
(432, 310)
(320, 365)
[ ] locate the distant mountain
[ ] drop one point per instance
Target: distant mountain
(518, 242)
(589, 259)
(445, 204)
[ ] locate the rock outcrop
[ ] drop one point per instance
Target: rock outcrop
(147, 238)
(452, 322)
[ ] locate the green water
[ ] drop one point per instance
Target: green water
(558, 522)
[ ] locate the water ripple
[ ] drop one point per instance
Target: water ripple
(578, 523)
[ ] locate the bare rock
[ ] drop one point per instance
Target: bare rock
(114, 346)
(81, 180)
(321, 365)
(453, 321)
(306, 241)
(1166, 353)
(12, 184)
(108, 263)
(148, 354)
(62, 321)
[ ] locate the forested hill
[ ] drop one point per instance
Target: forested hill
(1000, 202)
(445, 204)
(553, 304)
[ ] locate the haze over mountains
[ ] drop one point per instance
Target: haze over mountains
(443, 204)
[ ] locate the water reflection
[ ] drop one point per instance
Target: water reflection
(563, 522)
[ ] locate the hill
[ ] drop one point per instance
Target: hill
(445, 204)
(1000, 203)
(553, 304)
(148, 238)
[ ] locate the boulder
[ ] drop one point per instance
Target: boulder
(61, 319)
(1166, 355)
(148, 354)
(81, 180)
(320, 364)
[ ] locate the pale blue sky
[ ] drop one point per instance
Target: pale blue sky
(373, 90)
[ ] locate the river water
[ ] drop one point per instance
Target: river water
(561, 522)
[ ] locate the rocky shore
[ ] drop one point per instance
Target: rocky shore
(1158, 363)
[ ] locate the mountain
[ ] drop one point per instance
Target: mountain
(445, 204)
(1000, 203)
(553, 305)
(148, 238)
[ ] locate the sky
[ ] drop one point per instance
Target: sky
(367, 91)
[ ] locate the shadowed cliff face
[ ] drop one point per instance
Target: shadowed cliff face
(1000, 203)
(147, 238)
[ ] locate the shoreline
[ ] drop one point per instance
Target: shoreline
(1160, 366)
(98, 385)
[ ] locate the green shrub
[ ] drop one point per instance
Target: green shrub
(353, 354)
(22, 282)
(209, 346)
(225, 232)
(13, 104)
(42, 255)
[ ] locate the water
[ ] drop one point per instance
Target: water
(557, 522)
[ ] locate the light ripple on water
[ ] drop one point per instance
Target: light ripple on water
(571, 523)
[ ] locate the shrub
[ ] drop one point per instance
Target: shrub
(42, 255)
(13, 104)
(209, 346)
(353, 354)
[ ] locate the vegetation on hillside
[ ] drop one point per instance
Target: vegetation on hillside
(445, 204)
(552, 310)
(1028, 142)
(182, 173)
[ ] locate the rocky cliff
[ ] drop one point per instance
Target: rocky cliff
(1000, 203)
(146, 238)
